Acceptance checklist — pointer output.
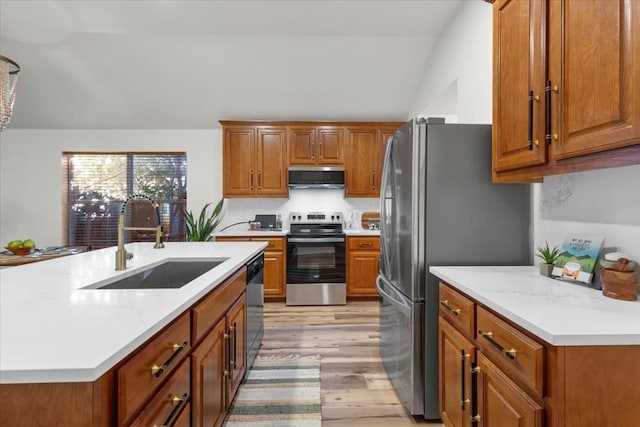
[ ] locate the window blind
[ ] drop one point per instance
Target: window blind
(97, 184)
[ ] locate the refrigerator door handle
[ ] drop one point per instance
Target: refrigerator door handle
(383, 211)
(404, 307)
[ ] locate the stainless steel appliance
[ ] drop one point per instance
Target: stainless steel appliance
(316, 177)
(316, 259)
(438, 207)
(255, 306)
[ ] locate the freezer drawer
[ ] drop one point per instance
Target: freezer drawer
(401, 345)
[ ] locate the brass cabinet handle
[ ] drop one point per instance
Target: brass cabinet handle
(365, 244)
(178, 402)
(476, 419)
(530, 142)
(464, 356)
(508, 353)
(320, 151)
(548, 136)
(251, 179)
(454, 311)
(228, 370)
(475, 369)
(157, 370)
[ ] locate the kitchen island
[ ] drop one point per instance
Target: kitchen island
(57, 329)
(517, 348)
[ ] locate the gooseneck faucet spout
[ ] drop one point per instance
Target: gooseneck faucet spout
(121, 253)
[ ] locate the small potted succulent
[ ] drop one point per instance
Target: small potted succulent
(549, 256)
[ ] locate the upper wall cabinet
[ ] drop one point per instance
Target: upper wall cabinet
(256, 155)
(316, 145)
(365, 147)
(566, 86)
(254, 161)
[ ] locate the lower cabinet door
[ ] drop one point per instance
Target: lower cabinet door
(274, 273)
(237, 350)
(209, 370)
(170, 403)
(456, 356)
(501, 402)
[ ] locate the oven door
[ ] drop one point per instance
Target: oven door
(316, 260)
(316, 270)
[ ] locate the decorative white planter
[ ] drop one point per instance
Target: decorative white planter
(546, 269)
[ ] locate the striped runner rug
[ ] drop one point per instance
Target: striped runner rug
(279, 391)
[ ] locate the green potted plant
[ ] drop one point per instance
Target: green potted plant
(549, 256)
(201, 229)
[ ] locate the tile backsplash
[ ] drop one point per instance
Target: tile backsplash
(300, 200)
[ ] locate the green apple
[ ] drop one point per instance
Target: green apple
(28, 243)
(14, 244)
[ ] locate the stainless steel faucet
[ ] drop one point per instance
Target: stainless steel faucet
(121, 253)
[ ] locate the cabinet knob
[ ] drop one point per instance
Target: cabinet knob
(476, 418)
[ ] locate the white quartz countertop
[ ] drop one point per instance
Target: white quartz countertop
(251, 233)
(559, 312)
(52, 330)
(361, 232)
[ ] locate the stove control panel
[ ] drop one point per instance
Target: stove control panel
(315, 218)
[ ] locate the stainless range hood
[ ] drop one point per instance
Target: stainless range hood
(316, 177)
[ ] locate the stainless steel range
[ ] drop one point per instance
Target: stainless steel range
(316, 259)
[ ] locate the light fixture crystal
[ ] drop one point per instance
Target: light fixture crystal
(9, 73)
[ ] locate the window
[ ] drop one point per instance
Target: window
(97, 184)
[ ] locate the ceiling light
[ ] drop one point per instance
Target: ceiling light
(9, 72)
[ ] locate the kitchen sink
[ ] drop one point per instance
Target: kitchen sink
(170, 274)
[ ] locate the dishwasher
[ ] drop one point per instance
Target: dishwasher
(255, 306)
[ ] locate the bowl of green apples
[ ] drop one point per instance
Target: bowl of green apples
(21, 247)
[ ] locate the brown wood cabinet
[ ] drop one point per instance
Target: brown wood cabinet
(566, 84)
(257, 154)
(501, 402)
(209, 365)
(186, 374)
(219, 360)
(151, 365)
(456, 356)
(275, 268)
(254, 161)
(365, 147)
(363, 255)
(517, 379)
(316, 145)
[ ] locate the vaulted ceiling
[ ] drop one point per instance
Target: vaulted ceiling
(134, 64)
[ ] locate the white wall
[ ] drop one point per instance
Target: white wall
(603, 202)
(31, 172)
(457, 82)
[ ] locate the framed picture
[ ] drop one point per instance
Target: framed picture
(578, 257)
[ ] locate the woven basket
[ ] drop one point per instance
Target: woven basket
(621, 285)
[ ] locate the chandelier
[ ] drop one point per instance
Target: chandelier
(9, 72)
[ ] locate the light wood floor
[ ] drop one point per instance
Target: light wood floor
(354, 387)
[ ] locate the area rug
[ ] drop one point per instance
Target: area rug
(279, 391)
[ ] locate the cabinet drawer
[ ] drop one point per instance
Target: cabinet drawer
(513, 352)
(273, 243)
(170, 402)
(141, 375)
(363, 243)
(458, 310)
(206, 313)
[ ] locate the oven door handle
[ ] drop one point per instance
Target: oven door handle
(315, 239)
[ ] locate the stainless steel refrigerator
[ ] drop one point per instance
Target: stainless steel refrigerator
(437, 207)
